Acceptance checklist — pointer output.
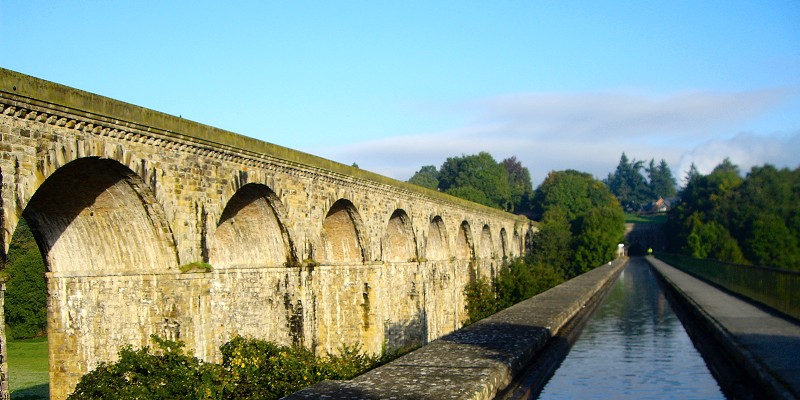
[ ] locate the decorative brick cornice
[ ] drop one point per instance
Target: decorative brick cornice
(47, 113)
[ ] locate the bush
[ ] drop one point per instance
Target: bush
(481, 300)
(164, 373)
(519, 280)
(250, 369)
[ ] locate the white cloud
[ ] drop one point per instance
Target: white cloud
(745, 150)
(588, 132)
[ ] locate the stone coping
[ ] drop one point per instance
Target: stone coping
(480, 360)
(16, 86)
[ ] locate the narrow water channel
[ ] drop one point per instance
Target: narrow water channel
(633, 347)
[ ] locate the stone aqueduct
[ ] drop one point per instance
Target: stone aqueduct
(303, 250)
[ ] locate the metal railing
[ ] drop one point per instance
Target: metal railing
(776, 288)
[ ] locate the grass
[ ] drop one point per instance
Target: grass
(28, 369)
(646, 219)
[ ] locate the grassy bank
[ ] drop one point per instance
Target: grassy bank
(28, 370)
(646, 219)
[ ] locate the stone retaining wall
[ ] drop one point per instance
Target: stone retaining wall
(480, 360)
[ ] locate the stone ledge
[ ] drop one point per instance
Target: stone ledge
(761, 343)
(478, 361)
(60, 101)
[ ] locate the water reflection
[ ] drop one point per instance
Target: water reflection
(633, 347)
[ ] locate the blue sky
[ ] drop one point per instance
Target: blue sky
(394, 86)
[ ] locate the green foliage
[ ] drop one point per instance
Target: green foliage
(596, 222)
(752, 220)
(552, 245)
(26, 290)
(568, 190)
(712, 240)
(427, 176)
(629, 185)
(480, 172)
(770, 242)
(599, 232)
(661, 182)
(197, 266)
(519, 280)
(481, 179)
(263, 370)
(164, 373)
(522, 279)
(472, 194)
(250, 369)
(519, 179)
(481, 300)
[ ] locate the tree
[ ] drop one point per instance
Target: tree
(519, 179)
(552, 245)
(481, 173)
(568, 190)
(598, 234)
(755, 219)
(26, 290)
(522, 279)
(481, 179)
(705, 198)
(595, 217)
(712, 240)
(427, 176)
(628, 184)
(692, 174)
(770, 242)
(766, 207)
(662, 183)
(471, 194)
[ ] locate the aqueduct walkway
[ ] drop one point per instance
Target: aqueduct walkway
(765, 344)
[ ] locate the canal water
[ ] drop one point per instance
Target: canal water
(633, 347)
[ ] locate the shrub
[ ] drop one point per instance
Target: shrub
(162, 373)
(481, 300)
(250, 369)
(516, 281)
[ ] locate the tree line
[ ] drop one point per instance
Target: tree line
(753, 219)
(479, 178)
(633, 190)
(581, 224)
(578, 213)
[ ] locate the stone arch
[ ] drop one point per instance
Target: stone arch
(486, 244)
(251, 231)
(341, 239)
(504, 243)
(528, 239)
(437, 247)
(399, 243)
(516, 244)
(464, 245)
(95, 216)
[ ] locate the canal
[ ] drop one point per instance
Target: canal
(634, 347)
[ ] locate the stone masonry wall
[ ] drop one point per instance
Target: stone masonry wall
(303, 250)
